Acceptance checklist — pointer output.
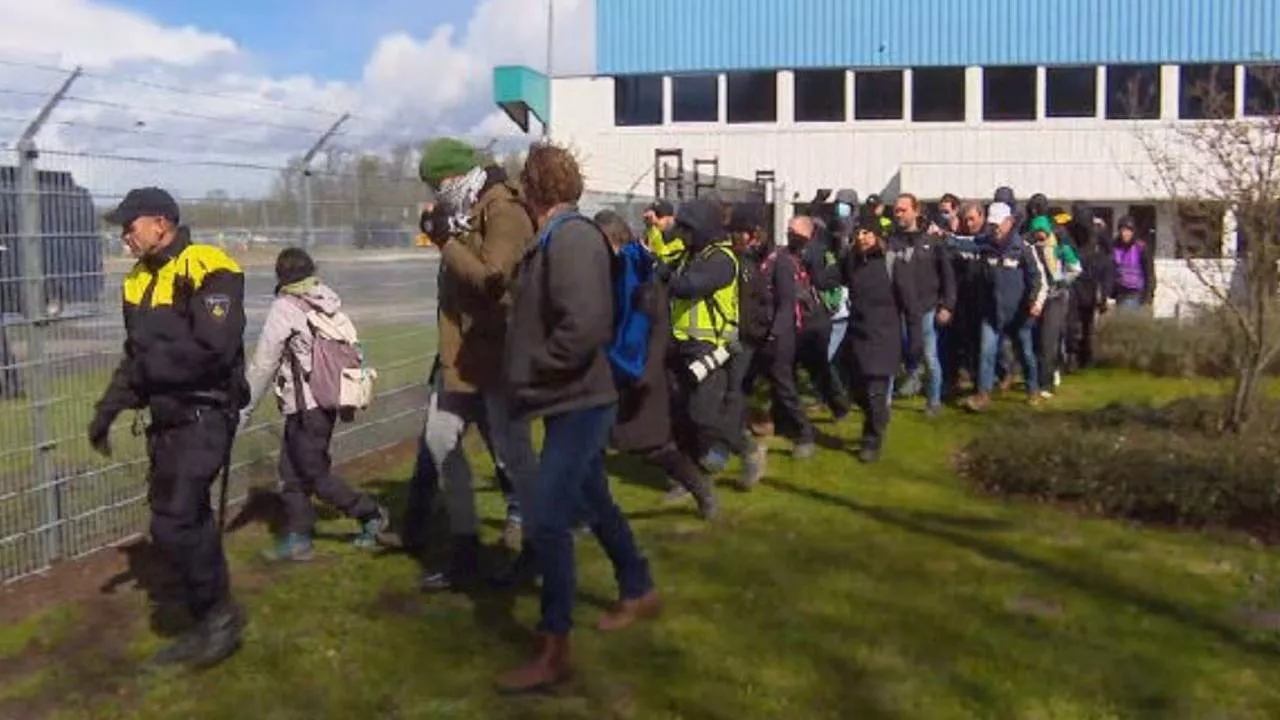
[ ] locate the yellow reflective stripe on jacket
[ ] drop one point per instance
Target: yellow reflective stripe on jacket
(714, 319)
(195, 262)
(668, 252)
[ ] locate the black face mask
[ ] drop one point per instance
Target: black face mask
(795, 241)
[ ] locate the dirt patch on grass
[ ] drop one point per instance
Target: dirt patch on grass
(91, 660)
(108, 595)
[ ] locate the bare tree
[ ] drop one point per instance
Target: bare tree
(1226, 169)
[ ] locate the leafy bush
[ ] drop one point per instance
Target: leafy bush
(1171, 465)
(1170, 347)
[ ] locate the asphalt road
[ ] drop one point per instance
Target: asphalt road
(376, 290)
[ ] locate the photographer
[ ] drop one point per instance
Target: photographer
(704, 325)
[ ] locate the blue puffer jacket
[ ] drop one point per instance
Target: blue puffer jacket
(1012, 275)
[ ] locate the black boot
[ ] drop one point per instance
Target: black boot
(464, 565)
(522, 569)
(213, 639)
(680, 468)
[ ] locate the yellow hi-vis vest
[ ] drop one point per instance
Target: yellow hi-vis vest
(668, 252)
(715, 319)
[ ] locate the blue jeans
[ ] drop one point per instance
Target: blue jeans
(572, 484)
(1129, 300)
(1022, 338)
(839, 328)
(932, 361)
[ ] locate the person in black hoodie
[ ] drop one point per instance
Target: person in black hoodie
(783, 271)
(933, 279)
(882, 299)
(557, 369)
(704, 325)
(1087, 291)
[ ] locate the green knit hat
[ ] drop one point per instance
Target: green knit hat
(1040, 224)
(445, 157)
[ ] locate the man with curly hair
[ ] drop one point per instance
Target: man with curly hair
(556, 364)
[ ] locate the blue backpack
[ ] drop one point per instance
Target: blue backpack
(633, 267)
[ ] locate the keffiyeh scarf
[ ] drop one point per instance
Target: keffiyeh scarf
(459, 194)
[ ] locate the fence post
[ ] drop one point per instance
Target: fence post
(308, 231)
(35, 321)
(308, 218)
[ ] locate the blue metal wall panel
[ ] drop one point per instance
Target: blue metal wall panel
(670, 36)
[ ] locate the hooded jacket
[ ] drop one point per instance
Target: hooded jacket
(1013, 277)
(477, 271)
(286, 336)
(702, 273)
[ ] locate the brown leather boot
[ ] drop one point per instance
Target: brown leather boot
(550, 666)
(627, 612)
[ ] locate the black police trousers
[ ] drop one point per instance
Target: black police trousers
(187, 455)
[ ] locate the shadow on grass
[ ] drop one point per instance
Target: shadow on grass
(927, 524)
(147, 570)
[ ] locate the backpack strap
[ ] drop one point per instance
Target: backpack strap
(712, 304)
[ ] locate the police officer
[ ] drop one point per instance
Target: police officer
(184, 362)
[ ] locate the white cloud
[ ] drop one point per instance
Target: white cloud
(410, 88)
(96, 34)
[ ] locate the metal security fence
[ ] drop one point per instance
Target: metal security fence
(61, 332)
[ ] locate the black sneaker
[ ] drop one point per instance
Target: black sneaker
(464, 565)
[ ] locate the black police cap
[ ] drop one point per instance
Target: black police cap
(144, 202)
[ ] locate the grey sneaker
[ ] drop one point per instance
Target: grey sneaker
(371, 530)
(294, 547)
(804, 451)
(754, 463)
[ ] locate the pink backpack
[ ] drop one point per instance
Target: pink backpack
(339, 378)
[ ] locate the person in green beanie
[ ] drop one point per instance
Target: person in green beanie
(483, 229)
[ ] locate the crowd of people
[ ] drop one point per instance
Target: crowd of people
(650, 341)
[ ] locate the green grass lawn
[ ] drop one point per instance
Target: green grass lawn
(401, 354)
(833, 590)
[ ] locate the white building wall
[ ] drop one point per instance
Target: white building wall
(1079, 159)
(1093, 160)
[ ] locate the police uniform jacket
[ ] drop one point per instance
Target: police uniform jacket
(184, 334)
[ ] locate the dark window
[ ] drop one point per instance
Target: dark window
(820, 95)
(637, 100)
(1200, 231)
(1144, 222)
(1133, 92)
(1071, 92)
(937, 95)
(1206, 92)
(1009, 93)
(753, 97)
(695, 98)
(877, 95)
(1262, 90)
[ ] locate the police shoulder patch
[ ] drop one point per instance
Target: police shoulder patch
(217, 305)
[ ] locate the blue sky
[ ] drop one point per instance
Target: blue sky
(331, 39)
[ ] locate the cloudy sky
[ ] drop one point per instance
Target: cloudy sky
(172, 91)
